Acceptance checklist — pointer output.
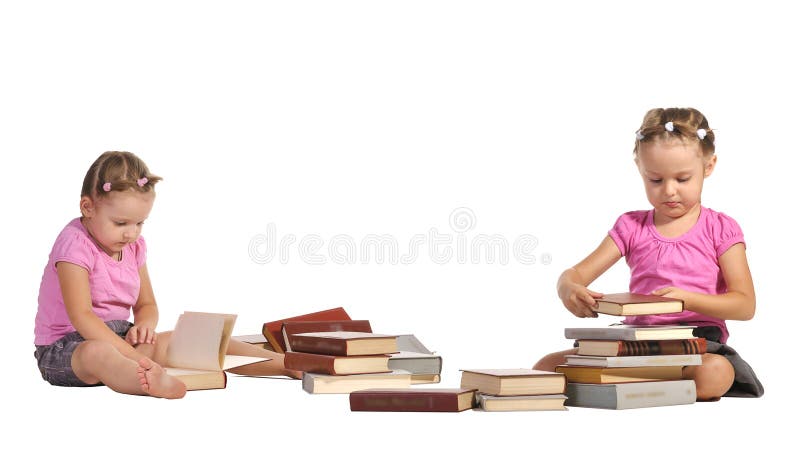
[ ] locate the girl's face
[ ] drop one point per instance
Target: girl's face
(116, 219)
(673, 173)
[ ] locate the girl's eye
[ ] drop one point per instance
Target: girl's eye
(683, 180)
(119, 224)
(140, 223)
(655, 180)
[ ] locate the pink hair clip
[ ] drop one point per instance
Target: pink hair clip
(701, 134)
(107, 186)
(141, 182)
(639, 135)
(669, 126)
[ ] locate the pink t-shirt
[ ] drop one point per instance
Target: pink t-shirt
(689, 262)
(114, 285)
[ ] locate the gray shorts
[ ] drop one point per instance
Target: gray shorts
(55, 360)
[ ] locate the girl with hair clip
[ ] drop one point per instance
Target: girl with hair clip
(679, 249)
(95, 275)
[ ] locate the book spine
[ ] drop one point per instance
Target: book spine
(663, 347)
(366, 401)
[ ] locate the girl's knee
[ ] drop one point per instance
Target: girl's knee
(714, 377)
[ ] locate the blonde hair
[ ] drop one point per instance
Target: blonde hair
(685, 125)
(117, 171)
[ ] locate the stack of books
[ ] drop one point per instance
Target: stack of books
(344, 361)
(331, 370)
(625, 367)
(517, 389)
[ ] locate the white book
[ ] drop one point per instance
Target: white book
(631, 332)
(631, 395)
(649, 360)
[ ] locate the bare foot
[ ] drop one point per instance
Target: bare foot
(156, 382)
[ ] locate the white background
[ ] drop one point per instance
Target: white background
(359, 118)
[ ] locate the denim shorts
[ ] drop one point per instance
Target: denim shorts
(55, 360)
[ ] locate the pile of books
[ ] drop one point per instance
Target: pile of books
(340, 355)
(625, 367)
(517, 389)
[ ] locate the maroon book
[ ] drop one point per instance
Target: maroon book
(336, 365)
(301, 327)
(272, 330)
(344, 343)
(412, 400)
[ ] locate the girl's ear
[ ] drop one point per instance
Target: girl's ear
(87, 207)
(710, 165)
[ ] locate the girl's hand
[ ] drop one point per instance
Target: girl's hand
(673, 292)
(140, 334)
(579, 300)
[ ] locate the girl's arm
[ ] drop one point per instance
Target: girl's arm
(145, 312)
(739, 303)
(74, 282)
(572, 284)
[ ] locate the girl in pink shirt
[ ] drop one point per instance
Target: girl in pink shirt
(677, 249)
(95, 275)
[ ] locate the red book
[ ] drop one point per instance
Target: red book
(344, 343)
(622, 348)
(412, 400)
(336, 365)
(272, 330)
(301, 327)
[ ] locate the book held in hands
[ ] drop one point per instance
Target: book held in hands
(633, 304)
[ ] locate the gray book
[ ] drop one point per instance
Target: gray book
(414, 357)
(631, 395)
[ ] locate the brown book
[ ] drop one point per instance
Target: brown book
(344, 343)
(303, 327)
(621, 348)
(412, 400)
(633, 304)
(272, 330)
(601, 375)
(336, 365)
(513, 382)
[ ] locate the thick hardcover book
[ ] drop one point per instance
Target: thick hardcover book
(631, 395)
(633, 304)
(272, 330)
(513, 382)
(647, 360)
(621, 348)
(344, 343)
(600, 375)
(336, 365)
(416, 363)
(412, 400)
(316, 383)
(302, 327)
(631, 332)
(491, 403)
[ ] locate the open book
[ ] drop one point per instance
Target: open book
(196, 352)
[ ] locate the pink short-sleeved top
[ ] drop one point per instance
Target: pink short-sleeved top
(689, 262)
(114, 284)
